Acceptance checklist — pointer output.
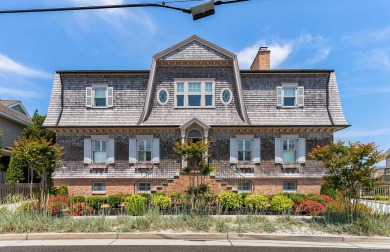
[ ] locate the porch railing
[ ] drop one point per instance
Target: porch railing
(380, 192)
(230, 176)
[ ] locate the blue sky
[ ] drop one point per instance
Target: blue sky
(350, 36)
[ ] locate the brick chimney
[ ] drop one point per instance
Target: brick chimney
(262, 60)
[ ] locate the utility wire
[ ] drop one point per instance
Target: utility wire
(160, 4)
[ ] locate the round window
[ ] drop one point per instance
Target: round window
(226, 96)
(163, 96)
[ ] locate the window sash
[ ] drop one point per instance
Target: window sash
(196, 94)
(144, 150)
(289, 186)
(194, 88)
(180, 88)
(99, 186)
(144, 186)
(289, 95)
(244, 186)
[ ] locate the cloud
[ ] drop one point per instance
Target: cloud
(364, 37)
(378, 59)
(15, 79)
(314, 48)
(121, 19)
(9, 66)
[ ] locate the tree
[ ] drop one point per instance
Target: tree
(15, 172)
(37, 131)
(349, 169)
(40, 155)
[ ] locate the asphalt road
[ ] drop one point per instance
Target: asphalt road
(177, 249)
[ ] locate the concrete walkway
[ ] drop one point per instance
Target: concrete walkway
(195, 239)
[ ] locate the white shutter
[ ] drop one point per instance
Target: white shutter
(132, 150)
(278, 151)
(110, 151)
(300, 96)
(88, 97)
(301, 152)
(110, 97)
(233, 150)
(156, 150)
(279, 96)
(256, 150)
(87, 151)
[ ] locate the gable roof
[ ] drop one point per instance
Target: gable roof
(180, 47)
(7, 110)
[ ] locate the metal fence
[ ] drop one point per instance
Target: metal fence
(24, 189)
(380, 192)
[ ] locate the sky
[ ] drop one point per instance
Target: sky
(350, 36)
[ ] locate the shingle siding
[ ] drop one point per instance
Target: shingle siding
(195, 51)
(54, 110)
(11, 131)
(335, 108)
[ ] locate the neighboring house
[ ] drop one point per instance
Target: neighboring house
(386, 171)
(13, 119)
(387, 158)
(118, 127)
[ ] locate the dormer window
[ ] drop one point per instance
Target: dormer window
(290, 95)
(194, 94)
(99, 96)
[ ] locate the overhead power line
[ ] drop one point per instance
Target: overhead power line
(202, 10)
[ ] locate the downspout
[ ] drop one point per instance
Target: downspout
(327, 100)
(62, 102)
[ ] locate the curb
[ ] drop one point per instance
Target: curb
(191, 236)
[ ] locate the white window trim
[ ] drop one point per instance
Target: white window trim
(99, 192)
(95, 86)
(250, 150)
(291, 85)
(230, 99)
(154, 152)
(203, 93)
(138, 187)
(245, 191)
(290, 191)
(158, 96)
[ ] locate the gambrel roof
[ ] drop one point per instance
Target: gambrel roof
(254, 93)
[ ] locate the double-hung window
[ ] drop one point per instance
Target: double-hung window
(289, 186)
(194, 93)
(244, 150)
(144, 150)
(99, 96)
(244, 187)
(289, 150)
(290, 96)
(144, 187)
(99, 151)
(99, 187)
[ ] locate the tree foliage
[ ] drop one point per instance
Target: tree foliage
(350, 168)
(37, 131)
(15, 172)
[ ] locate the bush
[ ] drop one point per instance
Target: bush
(79, 208)
(75, 199)
(281, 204)
(62, 190)
(147, 196)
(309, 206)
(135, 204)
(230, 200)
(56, 203)
(29, 207)
(95, 201)
(296, 196)
(322, 198)
(328, 190)
(256, 202)
(161, 201)
(114, 200)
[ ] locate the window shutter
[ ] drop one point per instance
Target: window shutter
(110, 97)
(300, 96)
(279, 96)
(301, 153)
(110, 151)
(132, 150)
(278, 151)
(256, 150)
(156, 150)
(87, 151)
(88, 97)
(233, 150)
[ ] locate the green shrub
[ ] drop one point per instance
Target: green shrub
(161, 201)
(114, 200)
(230, 200)
(256, 202)
(95, 201)
(378, 197)
(281, 204)
(75, 199)
(296, 196)
(147, 196)
(135, 204)
(62, 190)
(328, 190)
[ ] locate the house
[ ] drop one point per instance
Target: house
(118, 128)
(13, 119)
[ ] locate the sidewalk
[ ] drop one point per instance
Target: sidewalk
(189, 239)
